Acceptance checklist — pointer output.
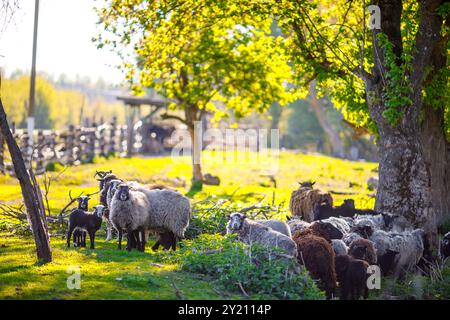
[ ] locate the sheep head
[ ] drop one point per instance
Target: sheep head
(236, 221)
(83, 202)
(98, 211)
(123, 192)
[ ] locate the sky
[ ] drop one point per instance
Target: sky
(65, 30)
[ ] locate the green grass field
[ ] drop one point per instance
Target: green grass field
(107, 273)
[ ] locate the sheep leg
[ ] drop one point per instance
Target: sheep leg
(157, 244)
(108, 231)
(141, 240)
(69, 236)
(91, 238)
(75, 238)
(83, 239)
(119, 244)
(130, 240)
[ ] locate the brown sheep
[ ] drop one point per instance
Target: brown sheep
(363, 249)
(304, 200)
(317, 255)
(352, 276)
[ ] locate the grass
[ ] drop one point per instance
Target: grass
(107, 273)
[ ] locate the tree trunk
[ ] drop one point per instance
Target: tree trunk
(437, 155)
(408, 175)
(195, 131)
(34, 215)
(333, 135)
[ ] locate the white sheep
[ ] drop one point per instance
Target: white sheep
(277, 225)
(249, 232)
(129, 212)
(408, 245)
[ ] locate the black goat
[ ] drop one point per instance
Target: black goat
(88, 222)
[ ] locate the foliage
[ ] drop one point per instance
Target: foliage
(258, 270)
(232, 61)
(55, 108)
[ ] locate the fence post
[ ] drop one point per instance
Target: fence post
(112, 136)
(25, 148)
(70, 145)
(101, 140)
(77, 146)
(40, 154)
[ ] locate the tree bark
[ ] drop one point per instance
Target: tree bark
(408, 175)
(35, 217)
(195, 131)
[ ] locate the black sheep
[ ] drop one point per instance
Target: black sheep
(347, 209)
(79, 236)
(89, 222)
(352, 277)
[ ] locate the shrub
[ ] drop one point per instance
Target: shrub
(260, 272)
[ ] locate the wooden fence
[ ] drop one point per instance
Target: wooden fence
(73, 146)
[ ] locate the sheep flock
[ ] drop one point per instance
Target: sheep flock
(338, 246)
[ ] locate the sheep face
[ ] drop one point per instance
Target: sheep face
(236, 221)
(98, 211)
(123, 191)
(83, 202)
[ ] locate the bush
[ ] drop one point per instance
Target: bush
(260, 272)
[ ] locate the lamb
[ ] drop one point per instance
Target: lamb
(277, 225)
(317, 255)
(130, 212)
(339, 247)
(249, 231)
(407, 247)
(444, 250)
(363, 249)
(89, 223)
(304, 200)
(352, 276)
(79, 236)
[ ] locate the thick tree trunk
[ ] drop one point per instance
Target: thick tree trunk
(437, 155)
(35, 217)
(409, 182)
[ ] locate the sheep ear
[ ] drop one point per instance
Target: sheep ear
(244, 217)
(313, 183)
(228, 216)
